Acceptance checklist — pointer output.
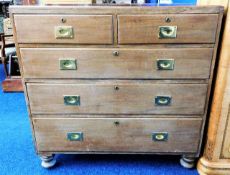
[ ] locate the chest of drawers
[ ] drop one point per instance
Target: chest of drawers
(117, 79)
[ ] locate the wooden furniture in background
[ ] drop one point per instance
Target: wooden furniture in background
(118, 79)
(58, 2)
(13, 82)
(216, 157)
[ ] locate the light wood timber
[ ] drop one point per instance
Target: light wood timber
(141, 29)
(189, 63)
(41, 28)
(216, 156)
(191, 86)
(133, 98)
(130, 135)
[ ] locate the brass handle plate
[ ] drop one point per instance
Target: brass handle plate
(165, 64)
(72, 100)
(159, 136)
(166, 32)
(63, 32)
(75, 136)
(67, 64)
(163, 100)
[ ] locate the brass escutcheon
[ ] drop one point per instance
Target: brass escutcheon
(115, 53)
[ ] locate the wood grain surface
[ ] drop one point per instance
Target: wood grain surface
(88, 29)
(131, 98)
(137, 29)
(189, 63)
(117, 9)
(216, 155)
(131, 135)
(132, 105)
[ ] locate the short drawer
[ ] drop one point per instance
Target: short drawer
(184, 28)
(80, 29)
(123, 63)
(117, 135)
(114, 97)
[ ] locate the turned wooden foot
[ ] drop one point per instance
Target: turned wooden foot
(48, 161)
(187, 162)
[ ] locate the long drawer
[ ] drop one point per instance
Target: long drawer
(117, 97)
(183, 28)
(117, 134)
(80, 29)
(122, 63)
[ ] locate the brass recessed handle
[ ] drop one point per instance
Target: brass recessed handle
(68, 64)
(75, 136)
(165, 64)
(72, 100)
(63, 32)
(115, 53)
(167, 32)
(163, 100)
(159, 136)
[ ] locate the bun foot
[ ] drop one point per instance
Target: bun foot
(48, 161)
(187, 162)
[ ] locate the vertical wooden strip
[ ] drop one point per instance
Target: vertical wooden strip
(22, 78)
(213, 2)
(220, 84)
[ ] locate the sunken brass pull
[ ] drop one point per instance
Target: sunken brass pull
(68, 64)
(75, 136)
(163, 100)
(167, 32)
(73, 100)
(63, 32)
(159, 136)
(165, 64)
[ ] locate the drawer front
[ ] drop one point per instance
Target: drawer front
(180, 63)
(185, 28)
(80, 29)
(117, 135)
(117, 98)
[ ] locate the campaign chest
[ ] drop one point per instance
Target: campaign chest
(117, 79)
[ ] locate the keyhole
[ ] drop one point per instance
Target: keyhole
(63, 20)
(116, 88)
(167, 19)
(116, 123)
